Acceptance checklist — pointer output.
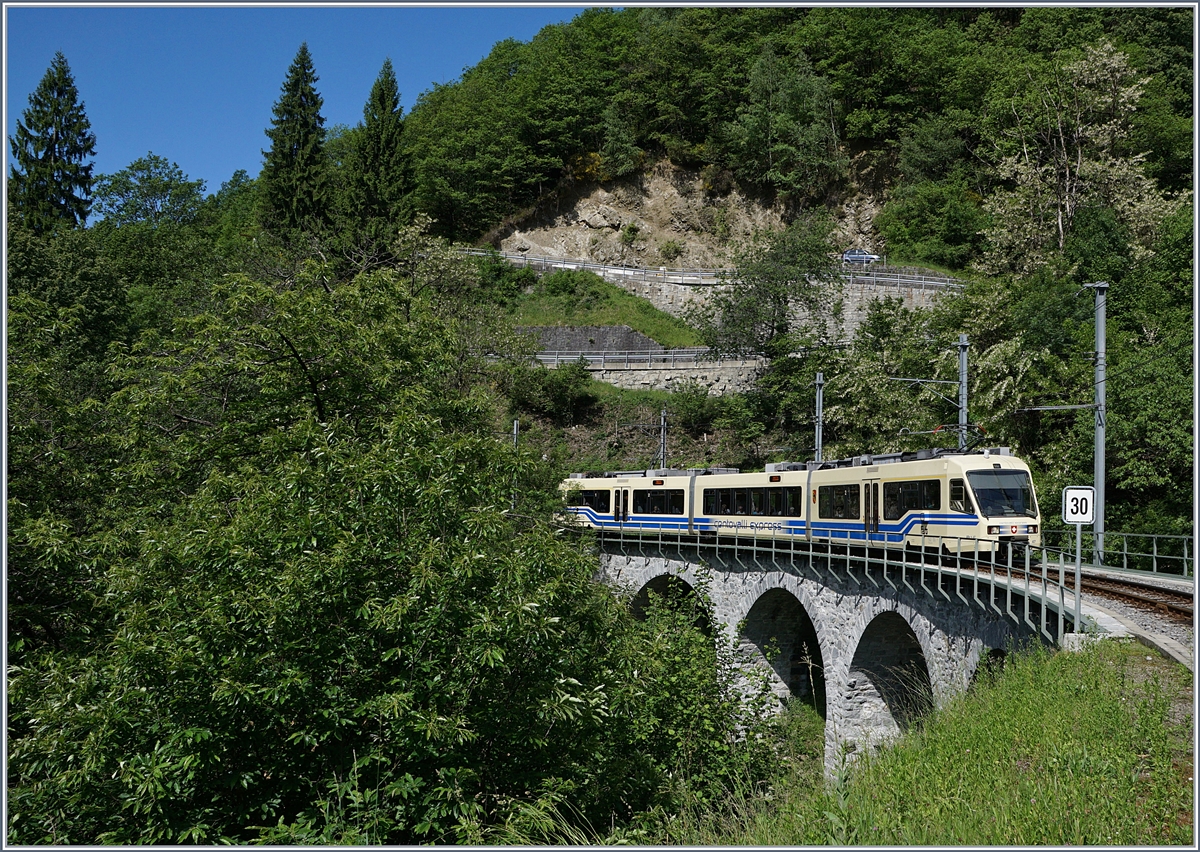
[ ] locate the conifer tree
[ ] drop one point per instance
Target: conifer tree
(381, 181)
(295, 183)
(50, 180)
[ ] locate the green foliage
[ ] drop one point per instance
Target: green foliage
(782, 137)
(562, 394)
(502, 282)
(281, 583)
(933, 222)
(150, 190)
(376, 173)
(1066, 749)
(294, 178)
(578, 297)
(232, 212)
(692, 408)
(68, 269)
(58, 468)
(50, 180)
(785, 293)
(671, 250)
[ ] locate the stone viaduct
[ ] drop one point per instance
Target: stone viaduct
(873, 643)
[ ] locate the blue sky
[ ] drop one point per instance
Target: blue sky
(196, 84)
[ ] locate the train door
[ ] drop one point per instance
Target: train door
(620, 505)
(871, 516)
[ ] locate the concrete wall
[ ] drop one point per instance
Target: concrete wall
(592, 338)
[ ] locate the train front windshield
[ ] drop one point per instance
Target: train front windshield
(1003, 493)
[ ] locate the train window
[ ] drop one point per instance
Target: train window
(758, 503)
(598, 500)
(914, 496)
(960, 500)
(1003, 493)
(795, 502)
(741, 502)
(666, 501)
(674, 501)
(838, 501)
(775, 502)
(931, 494)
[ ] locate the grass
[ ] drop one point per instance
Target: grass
(1087, 748)
(582, 298)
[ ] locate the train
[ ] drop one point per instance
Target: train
(951, 500)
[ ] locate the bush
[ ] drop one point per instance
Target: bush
(562, 394)
(671, 250)
(935, 222)
(693, 408)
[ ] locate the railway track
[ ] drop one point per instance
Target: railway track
(1176, 605)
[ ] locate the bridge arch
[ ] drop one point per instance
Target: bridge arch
(888, 686)
(891, 647)
(780, 634)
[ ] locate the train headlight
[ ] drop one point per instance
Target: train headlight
(1033, 528)
(993, 530)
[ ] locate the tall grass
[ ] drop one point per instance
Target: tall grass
(581, 298)
(1054, 749)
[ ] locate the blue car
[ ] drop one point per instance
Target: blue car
(858, 256)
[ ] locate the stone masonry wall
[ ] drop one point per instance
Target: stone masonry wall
(947, 636)
(857, 295)
(718, 378)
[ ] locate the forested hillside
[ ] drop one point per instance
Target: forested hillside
(276, 572)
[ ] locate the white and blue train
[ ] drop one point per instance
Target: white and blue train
(952, 500)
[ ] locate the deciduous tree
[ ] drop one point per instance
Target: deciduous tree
(151, 189)
(784, 292)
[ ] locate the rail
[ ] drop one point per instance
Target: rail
(876, 276)
(643, 359)
(1146, 552)
(1016, 584)
(699, 277)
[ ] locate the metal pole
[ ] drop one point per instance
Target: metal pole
(1101, 288)
(820, 414)
(1078, 578)
(662, 442)
(962, 391)
(516, 433)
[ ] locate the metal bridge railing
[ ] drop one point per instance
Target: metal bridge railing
(876, 275)
(642, 359)
(1027, 585)
(686, 276)
(888, 278)
(1157, 554)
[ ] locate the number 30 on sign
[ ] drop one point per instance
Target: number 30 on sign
(1079, 504)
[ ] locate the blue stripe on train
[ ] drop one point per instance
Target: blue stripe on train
(850, 531)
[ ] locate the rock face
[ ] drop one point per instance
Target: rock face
(668, 216)
(664, 217)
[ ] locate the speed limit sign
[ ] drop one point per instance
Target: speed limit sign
(1079, 504)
